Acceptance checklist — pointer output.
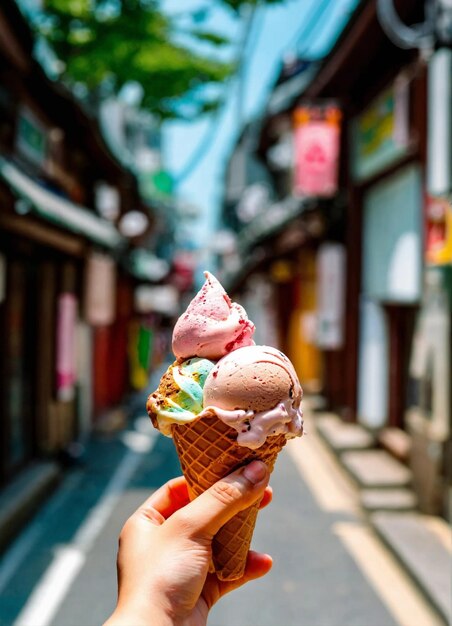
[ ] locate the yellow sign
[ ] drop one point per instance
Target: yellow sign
(438, 235)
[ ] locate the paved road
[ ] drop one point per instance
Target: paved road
(329, 570)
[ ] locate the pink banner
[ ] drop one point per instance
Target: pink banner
(65, 346)
(317, 134)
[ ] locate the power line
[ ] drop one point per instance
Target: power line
(211, 131)
(317, 9)
(313, 19)
(250, 45)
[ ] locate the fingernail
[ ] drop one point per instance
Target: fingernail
(255, 472)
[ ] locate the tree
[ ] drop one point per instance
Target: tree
(115, 42)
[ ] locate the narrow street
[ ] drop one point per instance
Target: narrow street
(329, 569)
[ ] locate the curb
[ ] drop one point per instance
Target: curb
(22, 497)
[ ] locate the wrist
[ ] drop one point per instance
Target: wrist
(126, 617)
(139, 613)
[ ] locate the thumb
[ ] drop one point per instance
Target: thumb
(234, 493)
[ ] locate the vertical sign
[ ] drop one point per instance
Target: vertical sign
(438, 231)
(100, 290)
(317, 133)
(330, 296)
(65, 346)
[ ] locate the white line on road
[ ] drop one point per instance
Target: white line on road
(53, 587)
(386, 576)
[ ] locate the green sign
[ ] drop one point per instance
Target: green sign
(379, 133)
(156, 184)
(31, 138)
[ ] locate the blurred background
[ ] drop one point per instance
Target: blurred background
(300, 150)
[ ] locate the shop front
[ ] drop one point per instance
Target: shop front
(390, 295)
(43, 396)
(429, 412)
(388, 174)
(37, 320)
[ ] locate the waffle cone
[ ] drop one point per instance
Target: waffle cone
(208, 451)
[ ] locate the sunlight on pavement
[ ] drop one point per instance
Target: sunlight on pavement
(386, 576)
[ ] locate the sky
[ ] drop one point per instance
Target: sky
(276, 31)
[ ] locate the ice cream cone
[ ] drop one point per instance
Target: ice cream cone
(208, 451)
(225, 402)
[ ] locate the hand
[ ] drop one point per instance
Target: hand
(165, 551)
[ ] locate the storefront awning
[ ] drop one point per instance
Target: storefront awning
(58, 210)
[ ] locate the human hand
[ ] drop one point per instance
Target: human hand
(165, 550)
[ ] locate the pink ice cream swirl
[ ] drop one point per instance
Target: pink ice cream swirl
(212, 325)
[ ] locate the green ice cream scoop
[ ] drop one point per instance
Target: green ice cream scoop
(179, 398)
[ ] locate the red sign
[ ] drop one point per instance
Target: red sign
(317, 134)
(438, 231)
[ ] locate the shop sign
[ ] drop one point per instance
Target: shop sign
(66, 365)
(100, 290)
(31, 140)
(162, 299)
(381, 133)
(317, 133)
(140, 350)
(183, 270)
(330, 296)
(158, 184)
(438, 231)
(146, 266)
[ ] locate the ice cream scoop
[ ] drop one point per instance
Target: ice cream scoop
(179, 397)
(256, 391)
(212, 325)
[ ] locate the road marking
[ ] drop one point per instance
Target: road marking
(386, 576)
(53, 587)
(327, 482)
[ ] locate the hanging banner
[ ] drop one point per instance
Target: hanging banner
(140, 350)
(66, 365)
(330, 296)
(438, 231)
(100, 290)
(317, 135)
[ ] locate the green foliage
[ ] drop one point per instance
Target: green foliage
(118, 41)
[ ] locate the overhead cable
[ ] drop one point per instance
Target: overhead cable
(313, 20)
(212, 128)
(308, 28)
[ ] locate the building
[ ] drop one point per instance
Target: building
(361, 153)
(65, 296)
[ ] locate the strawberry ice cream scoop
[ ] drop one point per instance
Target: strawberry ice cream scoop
(256, 391)
(212, 325)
